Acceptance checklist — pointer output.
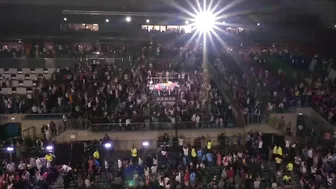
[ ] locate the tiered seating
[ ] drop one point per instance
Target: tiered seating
(22, 81)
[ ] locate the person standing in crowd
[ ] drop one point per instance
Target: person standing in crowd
(50, 159)
(209, 145)
(134, 153)
(96, 155)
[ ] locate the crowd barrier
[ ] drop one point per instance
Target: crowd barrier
(72, 153)
(121, 62)
(82, 124)
(66, 152)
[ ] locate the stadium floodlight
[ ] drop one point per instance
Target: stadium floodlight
(145, 144)
(147, 21)
(205, 21)
(65, 19)
(49, 148)
(107, 20)
(128, 19)
(108, 145)
(10, 149)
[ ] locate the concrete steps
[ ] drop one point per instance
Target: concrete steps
(295, 184)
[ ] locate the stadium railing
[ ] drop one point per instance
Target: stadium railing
(83, 124)
(121, 62)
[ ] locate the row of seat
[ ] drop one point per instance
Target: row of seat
(20, 83)
(165, 99)
(30, 76)
(27, 70)
(16, 90)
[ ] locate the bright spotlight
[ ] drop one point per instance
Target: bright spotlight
(128, 19)
(65, 19)
(205, 22)
(258, 24)
(49, 148)
(10, 149)
(147, 21)
(224, 22)
(107, 145)
(187, 22)
(107, 20)
(145, 144)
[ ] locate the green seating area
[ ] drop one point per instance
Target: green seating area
(273, 64)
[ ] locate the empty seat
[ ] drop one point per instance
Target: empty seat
(7, 76)
(33, 77)
(19, 70)
(15, 83)
(28, 83)
(21, 90)
(51, 70)
(12, 71)
(20, 77)
(47, 76)
(13, 76)
(21, 84)
(26, 70)
(6, 91)
(39, 71)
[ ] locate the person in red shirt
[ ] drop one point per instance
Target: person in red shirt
(91, 165)
(186, 178)
(231, 174)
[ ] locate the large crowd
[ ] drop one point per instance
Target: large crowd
(252, 163)
(103, 91)
(294, 80)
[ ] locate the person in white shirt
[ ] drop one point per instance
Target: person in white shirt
(38, 164)
(154, 169)
(68, 170)
(87, 182)
(10, 167)
(287, 144)
(32, 162)
(180, 139)
(186, 151)
(297, 160)
(119, 164)
(49, 165)
(65, 169)
(147, 172)
(310, 157)
(22, 166)
(178, 178)
(140, 161)
(260, 145)
(154, 161)
(106, 165)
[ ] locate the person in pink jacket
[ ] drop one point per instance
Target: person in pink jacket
(219, 159)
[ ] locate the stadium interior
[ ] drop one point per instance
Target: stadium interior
(150, 83)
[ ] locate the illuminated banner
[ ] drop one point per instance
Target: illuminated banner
(164, 86)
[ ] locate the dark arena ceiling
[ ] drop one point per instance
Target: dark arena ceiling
(313, 13)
